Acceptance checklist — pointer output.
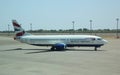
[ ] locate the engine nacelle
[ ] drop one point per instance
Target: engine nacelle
(59, 46)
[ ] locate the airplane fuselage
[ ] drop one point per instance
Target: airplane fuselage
(69, 40)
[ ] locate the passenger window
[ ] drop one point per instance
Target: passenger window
(93, 39)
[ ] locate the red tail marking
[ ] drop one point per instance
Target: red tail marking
(20, 34)
(16, 24)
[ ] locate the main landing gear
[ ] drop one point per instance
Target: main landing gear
(53, 48)
(95, 48)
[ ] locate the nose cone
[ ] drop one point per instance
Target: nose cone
(105, 41)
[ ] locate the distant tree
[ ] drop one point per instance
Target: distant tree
(60, 30)
(53, 31)
(40, 30)
(79, 30)
(85, 29)
(106, 30)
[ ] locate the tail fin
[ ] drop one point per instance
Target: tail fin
(19, 31)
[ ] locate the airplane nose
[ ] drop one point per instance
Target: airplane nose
(105, 41)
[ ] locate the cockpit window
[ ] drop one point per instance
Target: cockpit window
(99, 39)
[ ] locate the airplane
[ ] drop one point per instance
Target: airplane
(57, 42)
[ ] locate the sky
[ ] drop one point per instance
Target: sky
(59, 14)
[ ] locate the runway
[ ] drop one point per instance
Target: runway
(22, 59)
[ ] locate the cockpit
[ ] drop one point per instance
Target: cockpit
(99, 38)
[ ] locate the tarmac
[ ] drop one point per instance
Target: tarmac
(21, 59)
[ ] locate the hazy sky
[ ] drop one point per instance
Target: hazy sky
(59, 14)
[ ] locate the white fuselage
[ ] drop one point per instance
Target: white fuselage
(69, 40)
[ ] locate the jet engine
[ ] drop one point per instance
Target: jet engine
(58, 46)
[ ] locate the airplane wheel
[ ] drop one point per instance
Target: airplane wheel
(95, 48)
(53, 48)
